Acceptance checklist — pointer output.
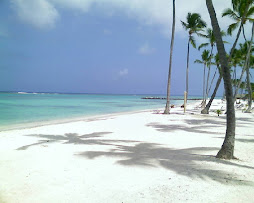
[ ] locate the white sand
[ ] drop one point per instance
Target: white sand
(138, 157)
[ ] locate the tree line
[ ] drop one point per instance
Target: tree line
(226, 64)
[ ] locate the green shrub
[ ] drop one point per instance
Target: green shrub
(218, 112)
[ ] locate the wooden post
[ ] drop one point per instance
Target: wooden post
(185, 100)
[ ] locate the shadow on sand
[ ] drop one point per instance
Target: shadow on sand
(195, 128)
(187, 162)
(190, 162)
(73, 138)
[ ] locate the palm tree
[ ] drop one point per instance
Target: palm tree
(235, 3)
(241, 13)
(207, 107)
(244, 56)
(216, 58)
(211, 41)
(227, 149)
(167, 111)
(205, 60)
(247, 66)
(193, 25)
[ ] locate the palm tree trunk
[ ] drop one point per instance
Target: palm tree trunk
(244, 36)
(206, 109)
(187, 69)
(167, 108)
(246, 62)
(203, 103)
(249, 91)
(212, 81)
(208, 74)
(227, 149)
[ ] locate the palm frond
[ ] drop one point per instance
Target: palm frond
(230, 13)
(232, 27)
(203, 45)
(192, 41)
(185, 25)
(198, 61)
(250, 12)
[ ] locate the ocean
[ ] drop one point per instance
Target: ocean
(22, 109)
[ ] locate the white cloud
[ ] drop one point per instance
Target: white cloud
(123, 72)
(44, 13)
(39, 13)
(145, 49)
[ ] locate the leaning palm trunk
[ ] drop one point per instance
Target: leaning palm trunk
(206, 109)
(167, 108)
(227, 149)
(246, 63)
(203, 102)
(249, 91)
(212, 81)
(187, 70)
(208, 74)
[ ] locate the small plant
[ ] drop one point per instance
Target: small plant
(218, 112)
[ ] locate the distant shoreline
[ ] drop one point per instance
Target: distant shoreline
(170, 99)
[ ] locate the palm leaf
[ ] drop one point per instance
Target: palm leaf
(203, 45)
(192, 41)
(250, 12)
(198, 61)
(185, 25)
(232, 27)
(231, 14)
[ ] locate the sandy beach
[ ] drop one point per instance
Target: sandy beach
(134, 157)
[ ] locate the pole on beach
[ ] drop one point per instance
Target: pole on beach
(185, 100)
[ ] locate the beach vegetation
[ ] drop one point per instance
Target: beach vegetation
(206, 59)
(194, 25)
(239, 10)
(218, 111)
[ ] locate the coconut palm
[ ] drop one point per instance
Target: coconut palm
(241, 13)
(216, 63)
(207, 107)
(205, 60)
(211, 41)
(167, 111)
(193, 25)
(235, 4)
(247, 66)
(227, 149)
(246, 50)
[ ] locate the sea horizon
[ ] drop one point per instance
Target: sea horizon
(22, 108)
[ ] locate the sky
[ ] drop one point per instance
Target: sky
(99, 46)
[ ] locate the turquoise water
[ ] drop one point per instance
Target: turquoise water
(16, 108)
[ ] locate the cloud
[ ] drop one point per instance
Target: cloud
(123, 72)
(39, 13)
(145, 49)
(44, 13)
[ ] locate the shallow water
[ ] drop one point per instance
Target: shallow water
(23, 108)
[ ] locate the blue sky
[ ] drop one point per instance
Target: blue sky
(92, 46)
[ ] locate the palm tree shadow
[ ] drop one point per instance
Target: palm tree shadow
(186, 162)
(73, 138)
(175, 127)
